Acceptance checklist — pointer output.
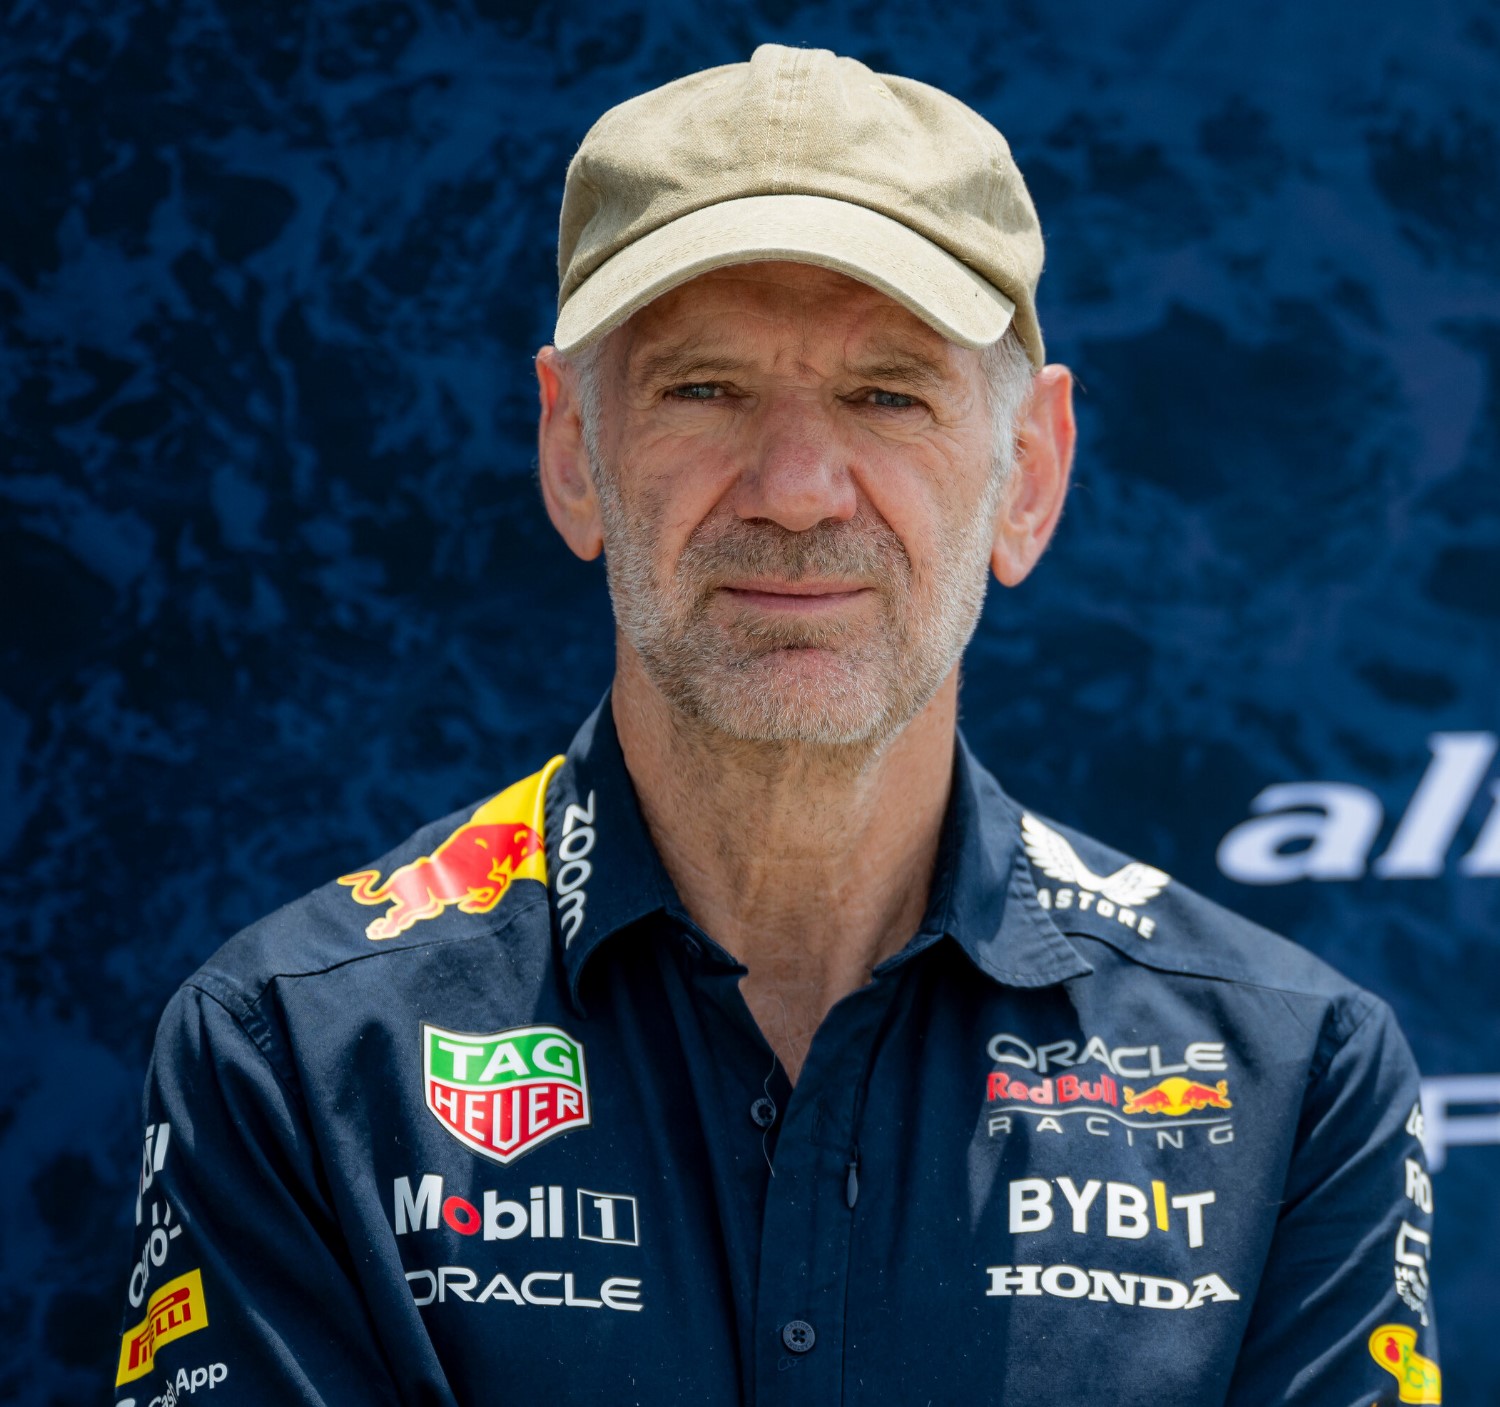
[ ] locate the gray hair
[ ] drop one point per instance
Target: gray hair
(1007, 373)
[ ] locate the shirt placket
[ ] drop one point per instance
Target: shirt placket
(812, 1199)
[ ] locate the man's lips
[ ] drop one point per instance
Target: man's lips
(794, 596)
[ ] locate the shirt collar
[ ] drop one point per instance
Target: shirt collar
(603, 872)
(605, 876)
(983, 896)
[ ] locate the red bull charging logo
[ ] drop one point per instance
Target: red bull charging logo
(1394, 1347)
(1177, 1096)
(473, 868)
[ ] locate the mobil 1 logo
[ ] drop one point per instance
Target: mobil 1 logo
(424, 1203)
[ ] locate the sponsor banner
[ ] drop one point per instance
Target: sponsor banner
(176, 1310)
(1327, 830)
(503, 1093)
(1072, 1282)
(543, 1288)
(1458, 1111)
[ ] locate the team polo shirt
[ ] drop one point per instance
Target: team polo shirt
(490, 1122)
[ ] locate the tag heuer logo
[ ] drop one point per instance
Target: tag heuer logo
(503, 1094)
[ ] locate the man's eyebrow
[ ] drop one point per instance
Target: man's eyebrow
(909, 368)
(692, 361)
(685, 361)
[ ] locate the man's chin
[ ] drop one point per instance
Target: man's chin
(799, 695)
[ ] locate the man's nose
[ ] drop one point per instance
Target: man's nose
(797, 472)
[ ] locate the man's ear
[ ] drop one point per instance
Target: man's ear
(562, 458)
(1033, 500)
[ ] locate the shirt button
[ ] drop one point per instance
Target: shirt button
(799, 1336)
(763, 1113)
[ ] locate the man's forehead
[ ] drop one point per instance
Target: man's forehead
(727, 316)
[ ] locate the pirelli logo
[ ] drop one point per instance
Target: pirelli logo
(175, 1310)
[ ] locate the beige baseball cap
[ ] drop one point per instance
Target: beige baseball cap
(804, 156)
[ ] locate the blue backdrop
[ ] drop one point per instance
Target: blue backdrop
(277, 586)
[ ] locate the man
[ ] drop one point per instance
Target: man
(761, 1049)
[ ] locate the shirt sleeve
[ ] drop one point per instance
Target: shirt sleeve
(1343, 1314)
(242, 1282)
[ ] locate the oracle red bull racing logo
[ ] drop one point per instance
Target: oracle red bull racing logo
(472, 869)
(1168, 1098)
(502, 1094)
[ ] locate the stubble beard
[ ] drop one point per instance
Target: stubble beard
(759, 679)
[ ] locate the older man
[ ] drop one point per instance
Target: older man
(761, 1049)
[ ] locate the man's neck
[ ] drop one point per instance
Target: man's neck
(810, 864)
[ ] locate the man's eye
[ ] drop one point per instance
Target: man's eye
(892, 400)
(697, 391)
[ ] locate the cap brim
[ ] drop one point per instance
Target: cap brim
(802, 229)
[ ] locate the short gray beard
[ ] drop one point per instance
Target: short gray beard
(719, 680)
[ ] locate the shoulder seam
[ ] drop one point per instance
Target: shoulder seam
(1371, 1006)
(250, 1020)
(521, 909)
(1351, 988)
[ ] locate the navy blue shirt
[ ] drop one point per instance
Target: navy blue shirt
(490, 1121)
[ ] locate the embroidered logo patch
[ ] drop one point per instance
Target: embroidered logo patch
(503, 1094)
(1394, 1347)
(176, 1309)
(1119, 896)
(1176, 1097)
(473, 868)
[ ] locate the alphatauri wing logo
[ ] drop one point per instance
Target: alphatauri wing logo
(503, 1093)
(1129, 887)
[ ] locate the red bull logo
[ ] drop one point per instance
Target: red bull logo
(1418, 1379)
(1177, 1096)
(472, 869)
